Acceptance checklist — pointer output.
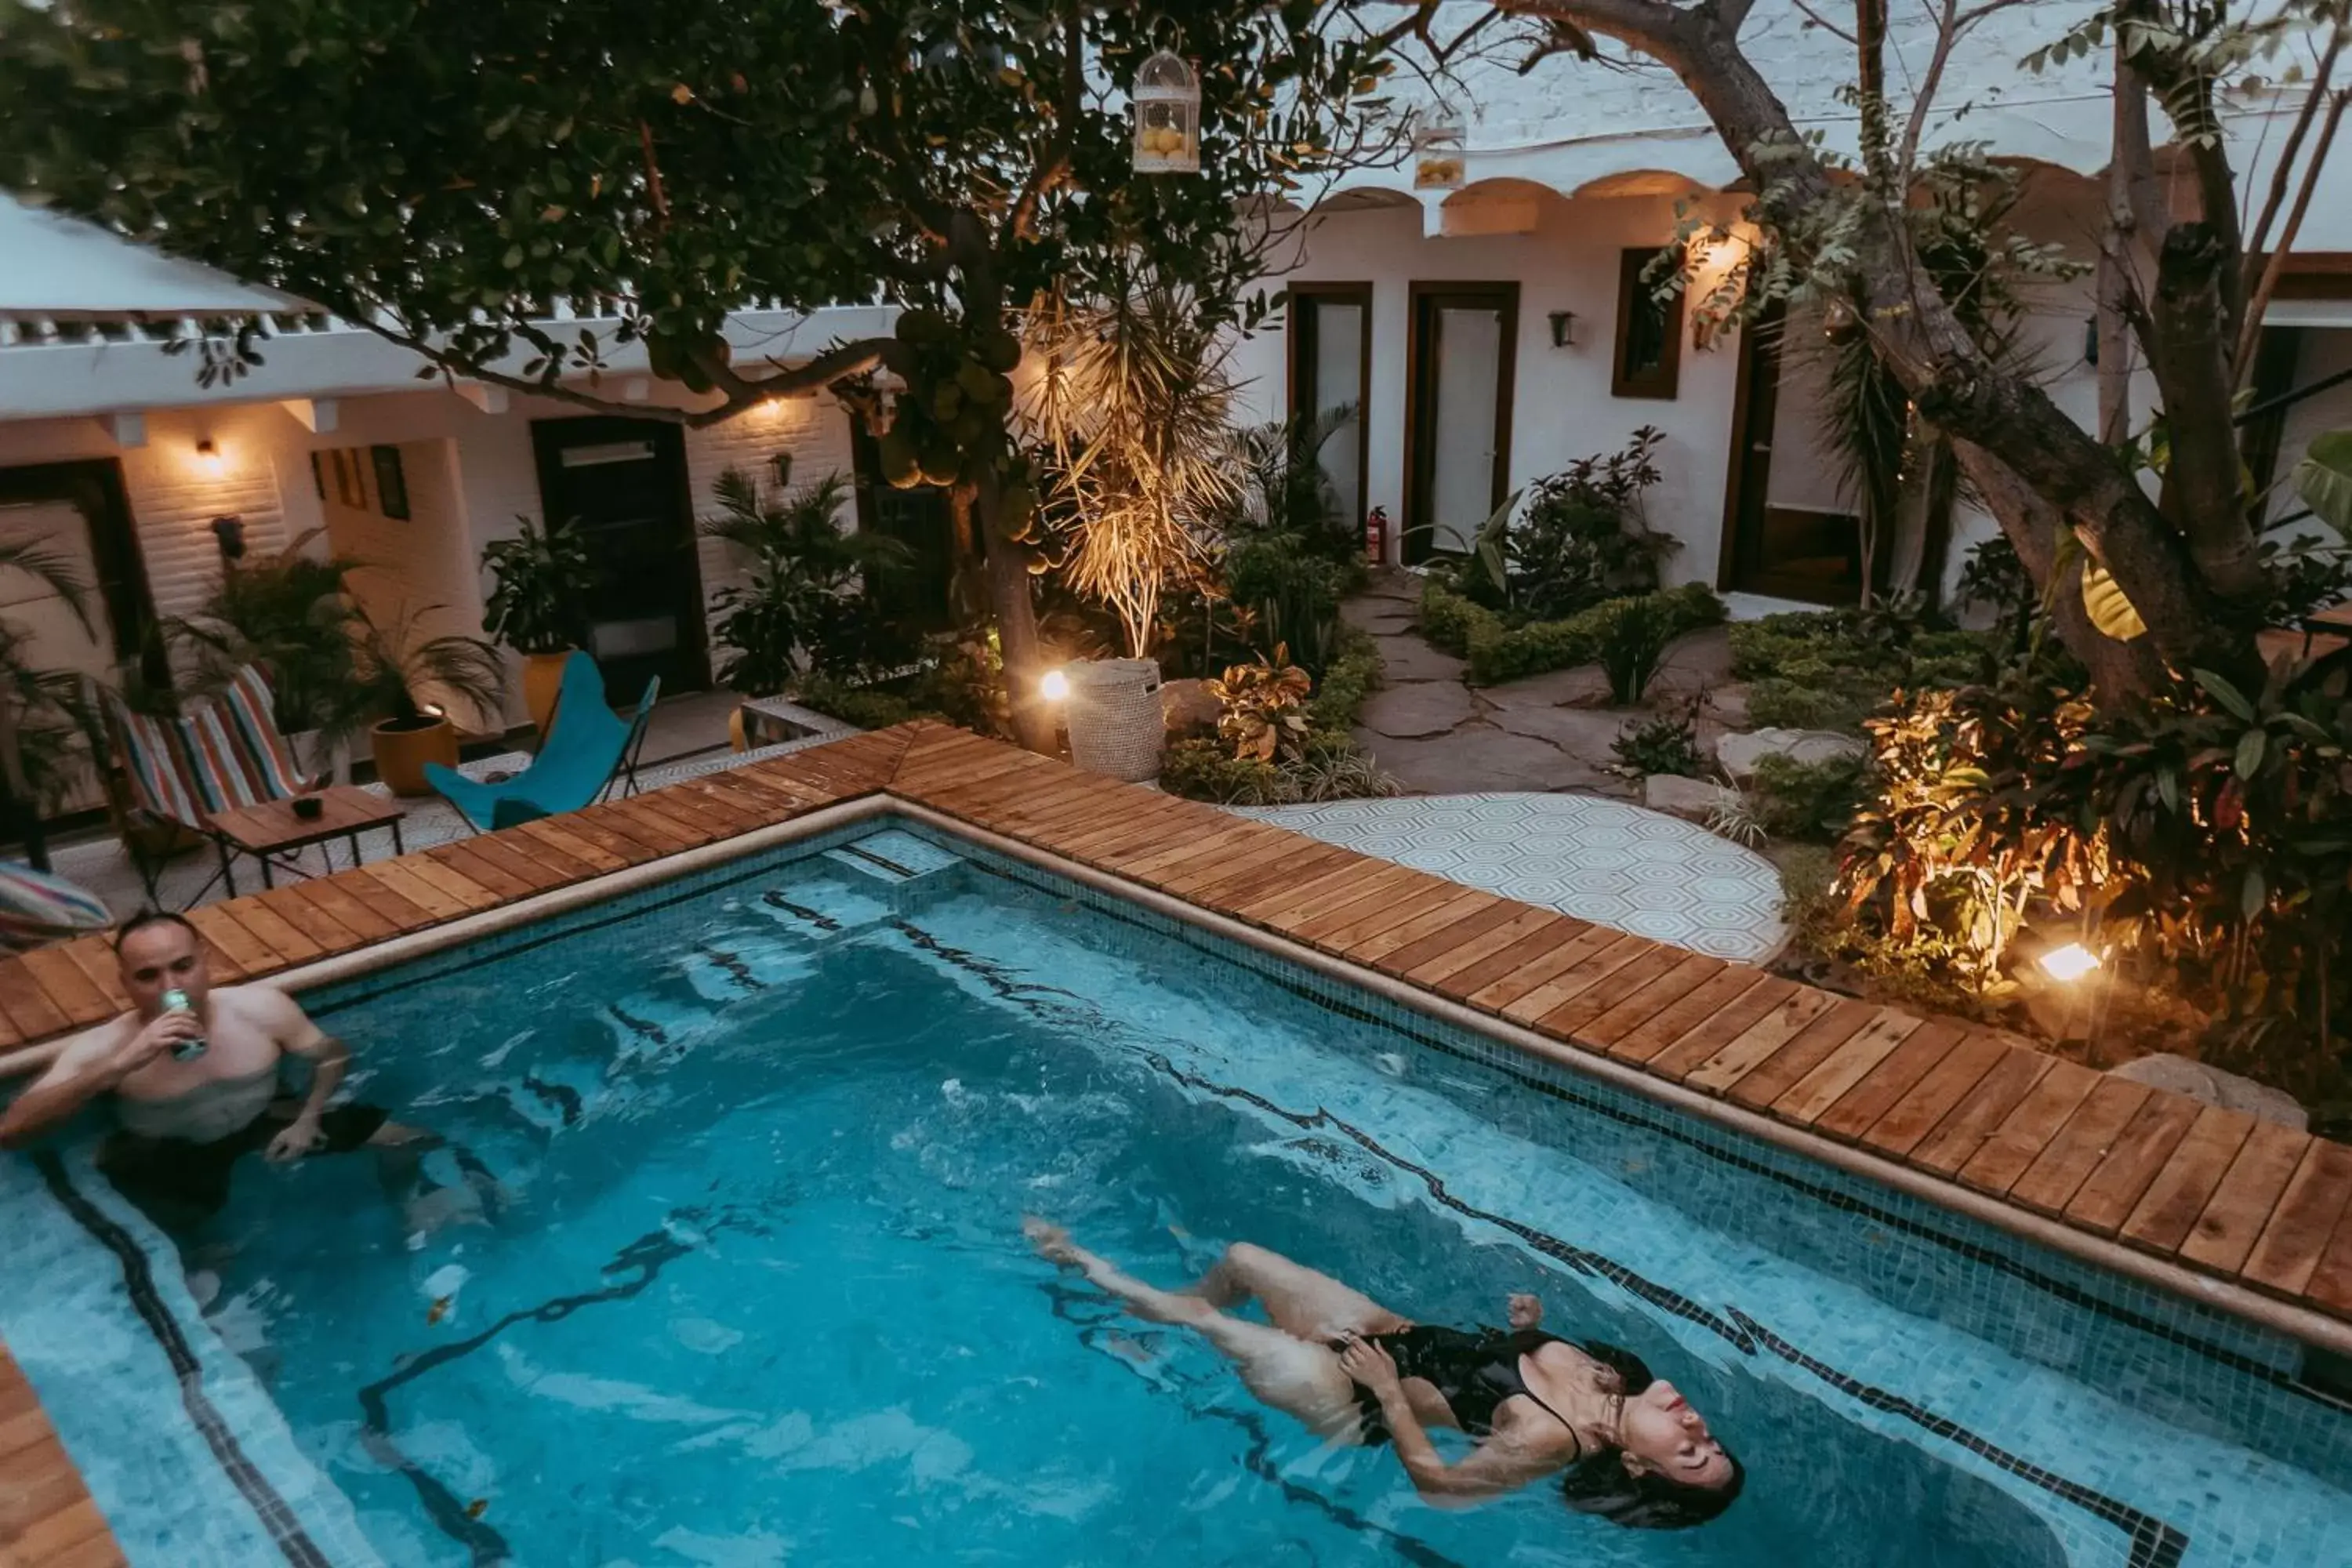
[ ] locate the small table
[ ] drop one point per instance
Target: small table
(272, 829)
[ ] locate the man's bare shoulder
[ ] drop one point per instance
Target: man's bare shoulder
(97, 1041)
(265, 1007)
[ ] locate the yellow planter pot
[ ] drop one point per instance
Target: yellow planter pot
(543, 678)
(401, 753)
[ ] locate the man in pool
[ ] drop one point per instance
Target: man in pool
(1626, 1446)
(194, 1087)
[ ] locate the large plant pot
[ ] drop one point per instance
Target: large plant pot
(1115, 725)
(543, 678)
(403, 747)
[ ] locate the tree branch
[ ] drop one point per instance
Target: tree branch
(2258, 242)
(2249, 331)
(1825, 25)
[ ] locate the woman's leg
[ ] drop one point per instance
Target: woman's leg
(1293, 1376)
(1302, 1302)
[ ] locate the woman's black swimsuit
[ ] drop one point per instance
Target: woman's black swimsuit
(1477, 1371)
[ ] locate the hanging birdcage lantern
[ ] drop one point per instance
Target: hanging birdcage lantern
(1437, 143)
(1167, 99)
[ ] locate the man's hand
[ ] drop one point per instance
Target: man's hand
(1525, 1310)
(165, 1031)
(299, 1137)
(1370, 1365)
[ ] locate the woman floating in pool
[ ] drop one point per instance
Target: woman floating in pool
(1633, 1450)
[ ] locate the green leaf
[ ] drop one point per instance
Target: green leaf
(2250, 747)
(2110, 610)
(2324, 480)
(2167, 790)
(2250, 898)
(2227, 695)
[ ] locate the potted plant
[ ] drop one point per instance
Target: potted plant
(799, 609)
(542, 578)
(397, 668)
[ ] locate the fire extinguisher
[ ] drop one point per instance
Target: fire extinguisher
(1376, 534)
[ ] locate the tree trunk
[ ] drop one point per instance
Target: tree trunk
(1016, 626)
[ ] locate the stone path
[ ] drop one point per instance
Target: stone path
(1548, 733)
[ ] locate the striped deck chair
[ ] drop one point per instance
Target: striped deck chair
(221, 752)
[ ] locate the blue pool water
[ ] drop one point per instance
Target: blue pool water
(737, 1278)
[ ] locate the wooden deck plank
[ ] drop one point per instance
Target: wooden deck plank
(682, 828)
(1219, 887)
(460, 859)
(2021, 1136)
(1955, 1139)
(1082, 839)
(1588, 964)
(1370, 941)
(1540, 967)
(2331, 1283)
(2160, 1220)
(72, 993)
(1153, 862)
(94, 956)
(557, 834)
(1929, 1101)
(363, 906)
(1783, 1042)
(535, 861)
(2114, 1188)
(1438, 946)
(1399, 898)
(27, 1007)
(1271, 903)
(1298, 911)
(1923, 1050)
(1568, 1017)
(1721, 990)
(432, 886)
(607, 836)
(1811, 1096)
(2250, 1190)
(2315, 1202)
(1227, 895)
(2049, 1183)
(292, 944)
(759, 803)
(1689, 972)
(321, 912)
(403, 913)
(653, 831)
(1775, 1005)
(1547, 936)
(1465, 957)
(236, 951)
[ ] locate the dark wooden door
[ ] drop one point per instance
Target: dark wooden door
(621, 484)
(920, 594)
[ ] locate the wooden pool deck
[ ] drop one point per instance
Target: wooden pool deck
(2215, 1191)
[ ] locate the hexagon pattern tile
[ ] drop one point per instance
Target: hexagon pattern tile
(1599, 860)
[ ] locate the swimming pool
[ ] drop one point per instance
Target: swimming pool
(750, 1287)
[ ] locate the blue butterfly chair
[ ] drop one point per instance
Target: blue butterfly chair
(588, 750)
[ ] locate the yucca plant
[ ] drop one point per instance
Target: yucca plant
(397, 668)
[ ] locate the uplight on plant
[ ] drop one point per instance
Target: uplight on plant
(2069, 963)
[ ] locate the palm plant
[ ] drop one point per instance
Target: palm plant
(48, 729)
(296, 614)
(1132, 411)
(800, 607)
(397, 667)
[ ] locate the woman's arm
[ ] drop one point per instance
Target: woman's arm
(1492, 1468)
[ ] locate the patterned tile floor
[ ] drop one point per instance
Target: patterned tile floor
(1598, 860)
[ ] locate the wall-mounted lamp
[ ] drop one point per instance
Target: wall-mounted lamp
(781, 464)
(228, 532)
(2091, 342)
(209, 459)
(1563, 329)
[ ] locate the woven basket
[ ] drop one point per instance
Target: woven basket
(1116, 728)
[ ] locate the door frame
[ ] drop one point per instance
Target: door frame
(1299, 355)
(549, 437)
(1747, 496)
(1423, 300)
(94, 487)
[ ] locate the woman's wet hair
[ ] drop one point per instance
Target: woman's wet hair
(1601, 1486)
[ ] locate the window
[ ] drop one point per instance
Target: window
(1649, 332)
(1330, 370)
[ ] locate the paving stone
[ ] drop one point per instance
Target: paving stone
(1417, 708)
(2211, 1085)
(1380, 617)
(1586, 686)
(1693, 800)
(1408, 658)
(1583, 732)
(1727, 705)
(1473, 760)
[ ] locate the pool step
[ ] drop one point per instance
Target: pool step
(910, 872)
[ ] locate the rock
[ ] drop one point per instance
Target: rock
(1740, 753)
(1693, 800)
(1696, 660)
(1186, 705)
(2212, 1086)
(1584, 733)
(1408, 658)
(1586, 686)
(1413, 711)
(1727, 705)
(1384, 617)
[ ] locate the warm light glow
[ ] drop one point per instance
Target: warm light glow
(1055, 687)
(2069, 963)
(433, 711)
(209, 459)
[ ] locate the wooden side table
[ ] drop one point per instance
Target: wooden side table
(271, 828)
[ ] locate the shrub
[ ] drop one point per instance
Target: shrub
(1449, 620)
(1630, 636)
(1581, 538)
(1264, 708)
(1496, 656)
(1293, 591)
(1353, 676)
(1660, 743)
(1811, 801)
(1323, 764)
(1202, 769)
(1830, 669)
